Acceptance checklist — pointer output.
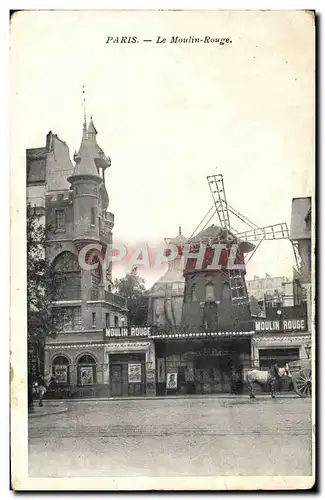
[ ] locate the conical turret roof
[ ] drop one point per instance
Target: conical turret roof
(91, 127)
(85, 164)
(179, 239)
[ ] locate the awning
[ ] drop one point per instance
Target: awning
(202, 335)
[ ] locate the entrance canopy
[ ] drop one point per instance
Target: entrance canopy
(201, 335)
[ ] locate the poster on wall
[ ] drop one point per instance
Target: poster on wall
(134, 373)
(61, 374)
(86, 375)
(151, 376)
(161, 370)
(171, 380)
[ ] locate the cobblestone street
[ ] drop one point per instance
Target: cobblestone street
(174, 437)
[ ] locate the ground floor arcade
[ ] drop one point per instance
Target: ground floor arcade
(168, 364)
(202, 365)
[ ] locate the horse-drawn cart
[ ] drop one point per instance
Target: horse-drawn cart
(301, 377)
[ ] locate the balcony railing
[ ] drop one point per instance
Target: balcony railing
(116, 300)
(111, 298)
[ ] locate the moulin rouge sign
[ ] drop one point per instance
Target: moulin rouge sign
(128, 331)
(285, 325)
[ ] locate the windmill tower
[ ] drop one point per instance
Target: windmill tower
(215, 298)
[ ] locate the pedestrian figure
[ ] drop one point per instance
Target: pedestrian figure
(41, 386)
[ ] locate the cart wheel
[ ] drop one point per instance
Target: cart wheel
(302, 383)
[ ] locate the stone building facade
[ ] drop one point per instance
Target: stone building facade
(287, 335)
(166, 295)
(73, 198)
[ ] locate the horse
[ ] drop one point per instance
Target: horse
(41, 386)
(265, 378)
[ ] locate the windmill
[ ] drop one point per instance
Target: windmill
(253, 233)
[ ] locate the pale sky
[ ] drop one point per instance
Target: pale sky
(169, 114)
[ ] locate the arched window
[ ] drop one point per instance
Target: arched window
(209, 292)
(67, 277)
(60, 370)
(193, 294)
(86, 370)
(226, 292)
(96, 277)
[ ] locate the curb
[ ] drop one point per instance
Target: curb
(155, 398)
(54, 411)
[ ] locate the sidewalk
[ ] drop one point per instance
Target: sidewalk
(49, 408)
(180, 396)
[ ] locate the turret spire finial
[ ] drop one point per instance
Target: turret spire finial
(84, 105)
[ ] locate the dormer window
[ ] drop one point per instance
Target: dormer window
(209, 292)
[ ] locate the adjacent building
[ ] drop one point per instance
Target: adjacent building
(285, 333)
(166, 295)
(74, 200)
(276, 291)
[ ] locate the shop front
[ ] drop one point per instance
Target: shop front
(202, 365)
(127, 374)
(280, 341)
(280, 349)
(130, 366)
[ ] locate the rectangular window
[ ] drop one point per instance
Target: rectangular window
(94, 319)
(107, 320)
(69, 318)
(77, 318)
(60, 220)
(93, 216)
(116, 321)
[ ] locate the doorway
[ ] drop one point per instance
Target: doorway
(212, 374)
(127, 374)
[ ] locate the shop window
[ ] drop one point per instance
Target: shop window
(209, 292)
(60, 370)
(268, 357)
(86, 370)
(60, 220)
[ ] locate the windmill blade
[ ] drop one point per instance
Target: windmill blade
(217, 189)
(253, 252)
(242, 217)
(273, 232)
(196, 230)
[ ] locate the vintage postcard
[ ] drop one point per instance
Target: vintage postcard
(162, 240)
